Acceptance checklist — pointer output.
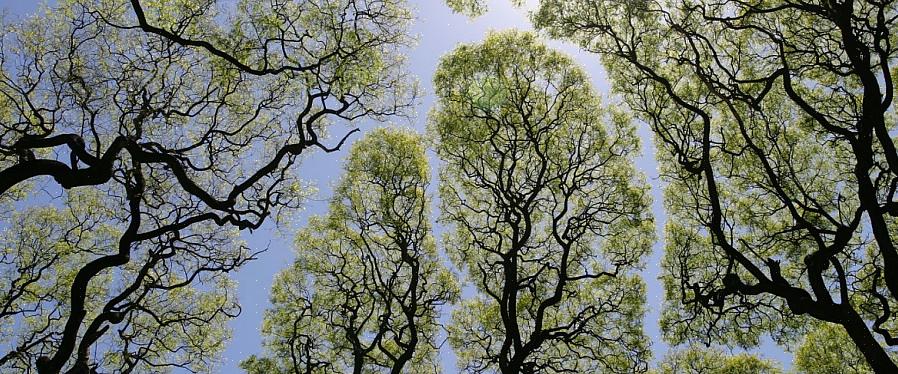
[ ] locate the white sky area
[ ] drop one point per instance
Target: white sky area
(439, 31)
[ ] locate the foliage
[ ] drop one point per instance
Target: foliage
(168, 321)
(774, 124)
(363, 292)
(473, 8)
(827, 349)
(701, 360)
(470, 8)
(144, 135)
(546, 213)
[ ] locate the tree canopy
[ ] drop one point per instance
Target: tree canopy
(362, 294)
(139, 140)
(774, 123)
(143, 135)
(701, 360)
(827, 349)
(546, 213)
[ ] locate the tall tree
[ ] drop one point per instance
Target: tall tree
(162, 128)
(548, 216)
(774, 122)
(363, 293)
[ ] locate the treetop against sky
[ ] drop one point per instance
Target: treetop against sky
(479, 186)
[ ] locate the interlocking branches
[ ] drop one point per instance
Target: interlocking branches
(774, 122)
(187, 120)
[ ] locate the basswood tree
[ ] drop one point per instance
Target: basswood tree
(774, 122)
(363, 293)
(145, 135)
(546, 213)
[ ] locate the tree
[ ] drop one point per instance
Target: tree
(167, 322)
(546, 213)
(700, 360)
(158, 132)
(363, 293)
(827, 349)
(774, 124)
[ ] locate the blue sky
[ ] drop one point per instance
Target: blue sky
(438, 31)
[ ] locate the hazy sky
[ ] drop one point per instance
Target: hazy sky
(438, 31)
